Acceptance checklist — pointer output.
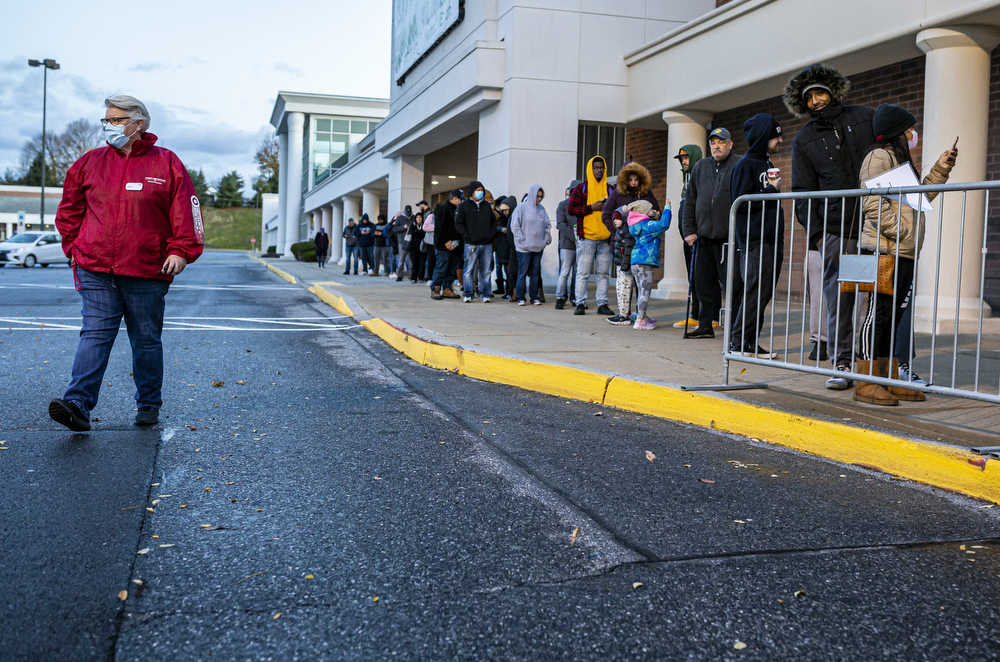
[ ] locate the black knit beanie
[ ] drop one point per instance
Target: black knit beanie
(891, 121)
(456, 193)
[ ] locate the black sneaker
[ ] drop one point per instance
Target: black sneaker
(603, 309)
(701, 332)
(618, 320)
(818, 351)
(560, 304)
(580, 310)
(147, 415)
(68, 414)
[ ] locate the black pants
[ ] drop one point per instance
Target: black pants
(884, 314)
(688, 255)
(761, 266)
(416, 264)
(710, 280)
(511, 271)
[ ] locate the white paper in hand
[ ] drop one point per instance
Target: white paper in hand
(901, 175)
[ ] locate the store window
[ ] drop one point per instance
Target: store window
(600, 140)
(332, 137)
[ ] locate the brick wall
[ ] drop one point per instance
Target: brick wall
(649, 148)
(992, 284)
(901, 83)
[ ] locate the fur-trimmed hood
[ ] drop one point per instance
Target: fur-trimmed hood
(816, 74)
(645, 180)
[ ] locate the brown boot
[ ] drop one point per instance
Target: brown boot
(908, 394)
(436, 293)
(447, 293)
(872, 393)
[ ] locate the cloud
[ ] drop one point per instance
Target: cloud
(147, 67)
(286, 68)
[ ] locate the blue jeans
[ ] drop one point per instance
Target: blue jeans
(106, 299)
(367, 257)
(355, 252)
(445, 266)
(483, 255)
(529, 265)
(567, 273)
(589, 251)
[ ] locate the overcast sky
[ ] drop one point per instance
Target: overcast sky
(208, 71)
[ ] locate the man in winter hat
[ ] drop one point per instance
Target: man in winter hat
(826, 156)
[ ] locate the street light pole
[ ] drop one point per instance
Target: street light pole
(47, 64)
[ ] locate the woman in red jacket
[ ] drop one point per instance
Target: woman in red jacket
(130, 221)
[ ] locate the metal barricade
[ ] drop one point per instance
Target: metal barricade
(955, 357)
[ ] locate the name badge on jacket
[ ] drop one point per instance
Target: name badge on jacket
(133, 186)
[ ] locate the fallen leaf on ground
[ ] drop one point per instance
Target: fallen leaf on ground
(208, 489)
(739, 521)
(636, 584)
(156, 501)
(600, 413)
(705, 480)
(375, 599)
(800, 594)
(192, 427)
(229, 483)
(183, 505)
(168, 545)
(376, 478)
(144, 550)
(134, 507)
(573, 536)
(137, 582)
(256, 574)
(989, 505)
(241, 382)
(650, 456)
(150, 510)
(123, 595)
(276, 616)
(218, 383)
(739, 645)
(213, 527)
(310, 577)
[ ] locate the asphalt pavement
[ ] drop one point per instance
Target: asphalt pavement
(329, 499)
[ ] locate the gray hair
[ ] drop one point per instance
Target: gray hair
(135, 108)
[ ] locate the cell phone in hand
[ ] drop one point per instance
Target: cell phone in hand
(955, 146)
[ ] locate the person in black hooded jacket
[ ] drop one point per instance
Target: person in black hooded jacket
(447, 242)
(760, 229)
(826, 156)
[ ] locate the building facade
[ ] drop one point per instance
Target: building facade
(523, 91)
(21, 207)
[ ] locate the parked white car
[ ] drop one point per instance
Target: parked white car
(31, 248)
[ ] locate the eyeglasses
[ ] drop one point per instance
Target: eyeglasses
(115, 121)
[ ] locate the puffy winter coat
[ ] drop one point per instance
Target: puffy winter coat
(621, 251)
(648, 237)
(904, 232)
(128, 213)
(621, 195)
(826, 156)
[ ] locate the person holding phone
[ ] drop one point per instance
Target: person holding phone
(586, 203)
(891, 229)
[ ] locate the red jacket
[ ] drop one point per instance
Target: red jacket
(126, 214)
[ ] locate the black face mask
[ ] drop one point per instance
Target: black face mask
(829, 113)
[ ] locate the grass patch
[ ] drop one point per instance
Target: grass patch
(232, 227)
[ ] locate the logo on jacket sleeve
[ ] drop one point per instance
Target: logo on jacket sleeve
(199, 225)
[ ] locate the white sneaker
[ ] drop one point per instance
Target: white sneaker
(911, 377)
(838, 383)
(486, 299)
(466, 299)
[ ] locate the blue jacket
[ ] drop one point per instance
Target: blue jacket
(648, 233)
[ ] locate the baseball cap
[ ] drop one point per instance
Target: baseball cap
(721, 132)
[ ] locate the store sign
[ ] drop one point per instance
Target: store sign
(417, 25)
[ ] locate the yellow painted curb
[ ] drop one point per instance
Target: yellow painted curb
(924, 462)
(289, 277)
(558, 380)
(332, 300)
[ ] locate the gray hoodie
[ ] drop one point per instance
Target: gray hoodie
(565, 225)
(530, 225)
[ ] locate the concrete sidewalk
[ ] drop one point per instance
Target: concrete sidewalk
(589, 342)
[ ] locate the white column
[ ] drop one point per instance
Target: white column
(686, 127)
(406, 182)
(282, 188)
(337, 229)
(293, 208)
(370, 203)
(956, 103)
(352, 208)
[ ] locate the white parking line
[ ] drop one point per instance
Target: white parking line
(285, 324)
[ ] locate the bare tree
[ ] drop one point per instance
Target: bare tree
(80, 137)
(267, 157)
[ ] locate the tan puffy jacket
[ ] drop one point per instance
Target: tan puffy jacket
(903, 232)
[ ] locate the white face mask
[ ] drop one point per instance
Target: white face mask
(912, 142)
